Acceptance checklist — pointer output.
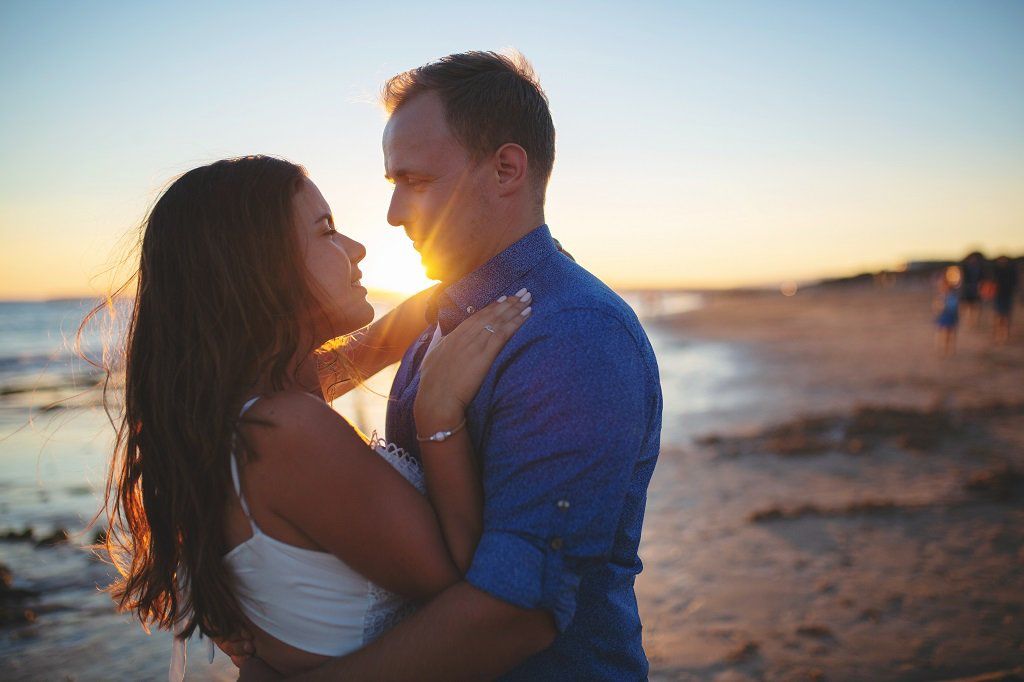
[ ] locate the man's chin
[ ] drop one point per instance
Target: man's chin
(434, 270)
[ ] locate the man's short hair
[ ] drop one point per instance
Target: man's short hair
(489, 99)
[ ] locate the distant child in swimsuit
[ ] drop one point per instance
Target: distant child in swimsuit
(948, 305)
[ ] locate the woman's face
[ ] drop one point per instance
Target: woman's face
(331, 259)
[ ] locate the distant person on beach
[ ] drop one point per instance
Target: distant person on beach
(1005, 276)
(947, 304)
(972, 276)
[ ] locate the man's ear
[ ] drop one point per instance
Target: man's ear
(510, 167)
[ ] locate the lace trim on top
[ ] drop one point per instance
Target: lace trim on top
(402, 460)
(386, 609)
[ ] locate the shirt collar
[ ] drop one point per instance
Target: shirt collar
(475, 291)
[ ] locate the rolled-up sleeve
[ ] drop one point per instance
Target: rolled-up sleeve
(564, 428)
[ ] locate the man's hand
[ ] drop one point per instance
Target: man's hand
(239, 647)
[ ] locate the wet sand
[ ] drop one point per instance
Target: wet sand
(860, 517)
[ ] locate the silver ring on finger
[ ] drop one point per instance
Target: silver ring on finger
(489, 328)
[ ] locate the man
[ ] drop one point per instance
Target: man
(1004, 274)
(566, 424)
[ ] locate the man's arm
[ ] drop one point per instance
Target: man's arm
(463, 634)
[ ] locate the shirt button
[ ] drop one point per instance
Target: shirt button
(563, 505)
(556, 544)
(470, 309)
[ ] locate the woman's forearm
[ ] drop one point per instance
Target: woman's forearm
(453, 486)
(450, 376)
(370, 350)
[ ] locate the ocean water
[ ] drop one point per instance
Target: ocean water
(54, 449)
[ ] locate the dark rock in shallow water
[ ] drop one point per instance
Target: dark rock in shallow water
(8, 593)
(746, 652)
(12, 601)
(16, 616)
(58, 537)
(1003, 483)
(26, 535)
(815, 630)
(857, 508)
(863, 430)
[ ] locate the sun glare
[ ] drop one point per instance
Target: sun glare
(392, 265)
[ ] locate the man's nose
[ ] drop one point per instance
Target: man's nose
(396, 209)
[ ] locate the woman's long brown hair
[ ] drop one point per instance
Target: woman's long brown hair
(221, 298)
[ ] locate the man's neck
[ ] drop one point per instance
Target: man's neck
(505, 237)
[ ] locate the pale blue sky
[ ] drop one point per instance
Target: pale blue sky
(698, 143)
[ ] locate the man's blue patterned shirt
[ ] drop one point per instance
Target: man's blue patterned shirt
(567, 426)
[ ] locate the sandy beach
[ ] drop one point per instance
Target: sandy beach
(859, 516)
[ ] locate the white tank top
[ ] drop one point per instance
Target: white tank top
(306, 598)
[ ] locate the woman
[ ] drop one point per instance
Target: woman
(238, 498)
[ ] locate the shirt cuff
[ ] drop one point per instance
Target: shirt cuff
(528, 573)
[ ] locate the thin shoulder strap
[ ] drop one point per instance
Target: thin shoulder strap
(234, 469)
(248, 403)
(238, 487)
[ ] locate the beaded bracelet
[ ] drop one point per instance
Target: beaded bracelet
(441, 435)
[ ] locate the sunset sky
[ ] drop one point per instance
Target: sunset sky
(699, 144)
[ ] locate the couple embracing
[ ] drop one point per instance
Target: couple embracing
(494, 532)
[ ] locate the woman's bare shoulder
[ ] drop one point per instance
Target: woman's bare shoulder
(314, 471)
(287, 426)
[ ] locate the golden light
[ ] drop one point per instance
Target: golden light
(392, 265)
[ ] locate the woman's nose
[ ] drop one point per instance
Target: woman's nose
(356, 251)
